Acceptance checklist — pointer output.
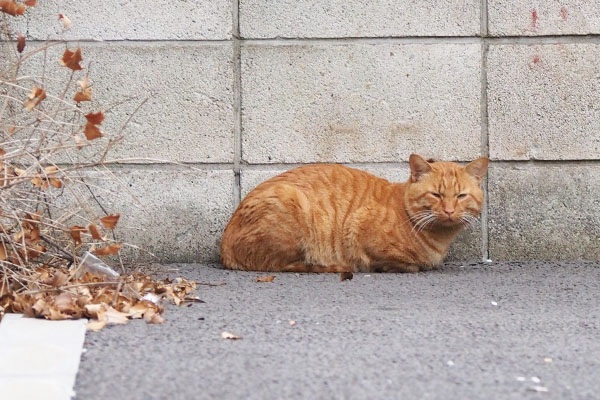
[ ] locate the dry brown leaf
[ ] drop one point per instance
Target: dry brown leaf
(95, 325)
(34, 98)
(35, 250)
(20, 43)
(230, 336)
(58, 279)
(75, 232)
(55, 182)
(109, 250)
(95, 118)
(138, 310)
(85, 95)
(32, 235)
(32, 219)
(65, 20)
(92, 132)
(86, 92)
(11, 130)
(3, 252)
(17, 237)
(54, 314)
(153, 318)
(51, 170)
(71, 59)
(95, 231)
(113, 316)
(39, 182)
(40, 307)
(148, 314)
(65, 303)
(157, 319)
(93, 310)
(268, 278)
(30, 3)
(346, 276)
(110, 221)
(11, 7)
(84, 83)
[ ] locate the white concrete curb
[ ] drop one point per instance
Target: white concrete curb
(40, 358)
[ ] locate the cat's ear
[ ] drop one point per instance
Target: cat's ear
(418, 167)
(478, 168)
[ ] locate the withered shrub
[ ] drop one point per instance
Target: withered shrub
(52, 144)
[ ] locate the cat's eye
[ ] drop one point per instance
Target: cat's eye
(462, 195)
(439, 196)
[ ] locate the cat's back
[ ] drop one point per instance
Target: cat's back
(322, 179)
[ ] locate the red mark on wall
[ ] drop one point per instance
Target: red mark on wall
(564, 13)
(535, 62)
(534, 18)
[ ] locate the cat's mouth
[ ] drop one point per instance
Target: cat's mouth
(448, 220)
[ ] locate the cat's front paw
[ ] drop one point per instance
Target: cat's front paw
(395, 267)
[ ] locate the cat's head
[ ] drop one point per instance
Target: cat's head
(444, 193)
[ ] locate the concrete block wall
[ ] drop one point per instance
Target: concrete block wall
(244, 89)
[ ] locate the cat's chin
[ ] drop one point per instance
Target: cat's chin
(448, 223)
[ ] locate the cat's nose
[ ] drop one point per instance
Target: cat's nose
(449, 211)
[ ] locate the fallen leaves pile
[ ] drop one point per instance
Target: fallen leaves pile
(59, 293)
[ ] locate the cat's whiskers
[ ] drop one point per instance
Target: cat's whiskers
(424, 225)
(467, 219)
(430, 221)
(416, 217)
(420, 214)
(428, 217)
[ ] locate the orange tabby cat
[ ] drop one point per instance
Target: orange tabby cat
(331, 218)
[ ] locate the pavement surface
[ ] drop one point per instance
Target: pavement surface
(472, 331)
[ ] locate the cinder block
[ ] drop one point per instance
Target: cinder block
(177, 214)
(189, 113)
(542, 101)
(354, 18)
(466, 248)
(544, 212)
(132, 20)
(360, 102)
(543, 17)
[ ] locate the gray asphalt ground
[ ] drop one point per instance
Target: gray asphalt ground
(433, 335)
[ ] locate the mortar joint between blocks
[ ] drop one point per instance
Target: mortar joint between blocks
(484, 19)
(237, 103)
(485, 145)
